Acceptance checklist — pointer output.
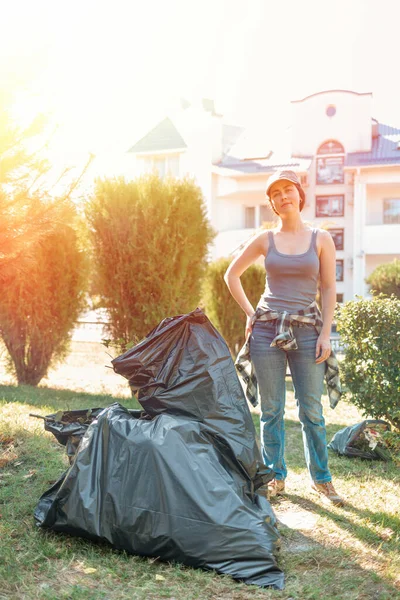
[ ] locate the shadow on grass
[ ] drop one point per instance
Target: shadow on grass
(328, 570)
(364, 533)
(60, 399)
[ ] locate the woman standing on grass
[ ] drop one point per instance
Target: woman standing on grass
(287, 326)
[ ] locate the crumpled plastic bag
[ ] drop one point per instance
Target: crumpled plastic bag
(362, 440)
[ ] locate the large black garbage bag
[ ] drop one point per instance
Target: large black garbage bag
(160, 488)
(362, 440)
(177, 486)
(184, 367)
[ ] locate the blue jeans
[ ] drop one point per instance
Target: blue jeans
(308, 379)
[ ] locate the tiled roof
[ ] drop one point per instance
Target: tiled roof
(384, 149)
(164, 136)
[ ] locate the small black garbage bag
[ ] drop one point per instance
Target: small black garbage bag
(180, 485)
(68, 427)
(362, 440)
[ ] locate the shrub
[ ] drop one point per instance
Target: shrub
(370, 330)
(150, 240)
(385, 279)
(222, 309)
(42, 295)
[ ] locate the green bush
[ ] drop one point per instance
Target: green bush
(42, 295)
(370, 330)
(150, 240)
(385, 279)
(222, 309)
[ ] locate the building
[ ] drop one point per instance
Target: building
(349, 165)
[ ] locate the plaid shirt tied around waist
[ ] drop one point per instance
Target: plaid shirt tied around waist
(285, 340)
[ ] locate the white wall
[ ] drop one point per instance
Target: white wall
(351, 125)
(229, 214)
(375, 196)
(232, 195)
(382, 239)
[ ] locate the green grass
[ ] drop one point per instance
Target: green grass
(348, 553)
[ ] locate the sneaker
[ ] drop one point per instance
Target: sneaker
(327, 493)
(276, 487)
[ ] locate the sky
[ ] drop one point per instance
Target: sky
(108, 71)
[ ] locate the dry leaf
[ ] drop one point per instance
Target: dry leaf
(160, 578)
(89, 570)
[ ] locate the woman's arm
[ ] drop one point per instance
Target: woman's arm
(250, 253)
(328, 294)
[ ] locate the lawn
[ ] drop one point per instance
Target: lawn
(327, 552)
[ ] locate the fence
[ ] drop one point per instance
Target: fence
(90, 327)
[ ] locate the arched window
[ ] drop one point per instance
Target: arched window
(330, 163)
(331, 147)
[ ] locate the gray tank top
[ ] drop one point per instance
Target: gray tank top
(291, 279)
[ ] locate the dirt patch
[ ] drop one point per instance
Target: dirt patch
(292, 522)
(301, 520)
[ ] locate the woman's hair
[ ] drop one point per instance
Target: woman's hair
(301, 194)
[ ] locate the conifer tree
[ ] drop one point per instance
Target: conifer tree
(150, 242)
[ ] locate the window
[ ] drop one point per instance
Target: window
(331, 147)
(162, 164)
(339, 298)
(338, 238)
(391, 211)
(146, 164)
(330, 170)
(304, 181)
(329, 206)
(173, 165)
(339, 269)
(249, 217)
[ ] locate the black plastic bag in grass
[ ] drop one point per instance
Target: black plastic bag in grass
(181, 485)
(362, 440)
(161, 488)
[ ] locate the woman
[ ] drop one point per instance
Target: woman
(287, 326)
